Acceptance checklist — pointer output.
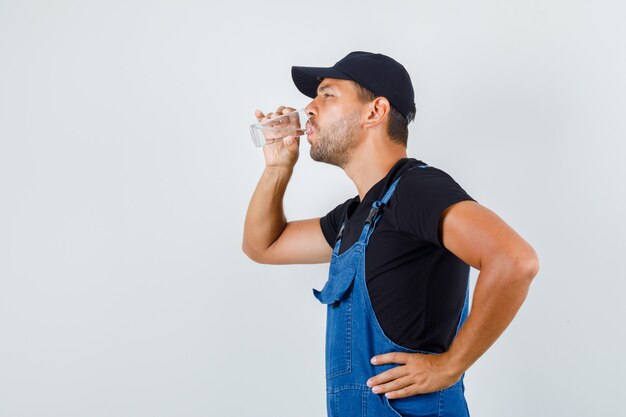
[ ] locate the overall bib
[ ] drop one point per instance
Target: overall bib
(354, 336)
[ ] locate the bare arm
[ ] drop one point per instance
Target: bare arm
(507, 265)
(267, 236)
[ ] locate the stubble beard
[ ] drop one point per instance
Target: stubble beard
(336, 143)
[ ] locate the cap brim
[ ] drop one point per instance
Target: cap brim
(307, 79)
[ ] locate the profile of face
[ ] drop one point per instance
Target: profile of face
(335, 116)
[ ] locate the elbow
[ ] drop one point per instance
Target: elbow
(247, 250)
(530, 263)
(532, 266)
(526, 266)
(517, 269)
(251, 253)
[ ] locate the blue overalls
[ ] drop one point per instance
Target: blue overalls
(354, 336)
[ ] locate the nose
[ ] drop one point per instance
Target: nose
(311, 109)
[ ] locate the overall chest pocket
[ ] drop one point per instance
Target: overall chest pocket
(337, 295)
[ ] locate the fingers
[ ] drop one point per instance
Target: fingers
(404, 389)
(285, 110)
(385, 377)
(393, 357)
(395, 383)
(395, 388)
(281, 110)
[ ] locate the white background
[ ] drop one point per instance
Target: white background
(126, 168)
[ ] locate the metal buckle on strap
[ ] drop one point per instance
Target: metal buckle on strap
(376, 206)
(340, 232)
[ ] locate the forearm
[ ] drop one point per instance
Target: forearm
(499, 294)
(265, 218)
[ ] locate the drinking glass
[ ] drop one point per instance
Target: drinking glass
(278, 128)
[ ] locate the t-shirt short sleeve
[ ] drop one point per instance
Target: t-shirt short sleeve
(422, 197)
(331, 222)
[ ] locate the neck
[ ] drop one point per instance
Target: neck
(371, 162)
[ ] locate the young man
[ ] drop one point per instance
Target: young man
(399, 331)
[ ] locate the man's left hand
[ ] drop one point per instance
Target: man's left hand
(417, 374)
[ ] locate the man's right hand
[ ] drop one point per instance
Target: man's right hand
(283, 153)
(268, 237)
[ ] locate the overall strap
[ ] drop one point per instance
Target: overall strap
(377, 208)
(338, 241)
(374, 214)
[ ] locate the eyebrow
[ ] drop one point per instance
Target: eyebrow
(325, 87)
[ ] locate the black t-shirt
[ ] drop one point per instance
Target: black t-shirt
(417, 287)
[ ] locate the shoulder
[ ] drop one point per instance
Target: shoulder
(428, 179)
(423, 194)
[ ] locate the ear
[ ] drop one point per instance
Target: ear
(378, 111)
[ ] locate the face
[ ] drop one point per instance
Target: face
(334, 117)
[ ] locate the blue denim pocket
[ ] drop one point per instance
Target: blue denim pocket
(337, 294)
(449, 402)
(348, 402)
(339, 338)
(421, 405)
(336, 287)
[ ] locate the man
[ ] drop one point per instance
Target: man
(399, 337)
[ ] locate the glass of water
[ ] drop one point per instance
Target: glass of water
(278, 128)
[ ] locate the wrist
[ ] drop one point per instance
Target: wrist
(276, 170)
(452, 366)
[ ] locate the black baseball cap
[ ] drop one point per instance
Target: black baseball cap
(378, 73)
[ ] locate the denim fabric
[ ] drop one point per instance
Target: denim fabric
(354, 336)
